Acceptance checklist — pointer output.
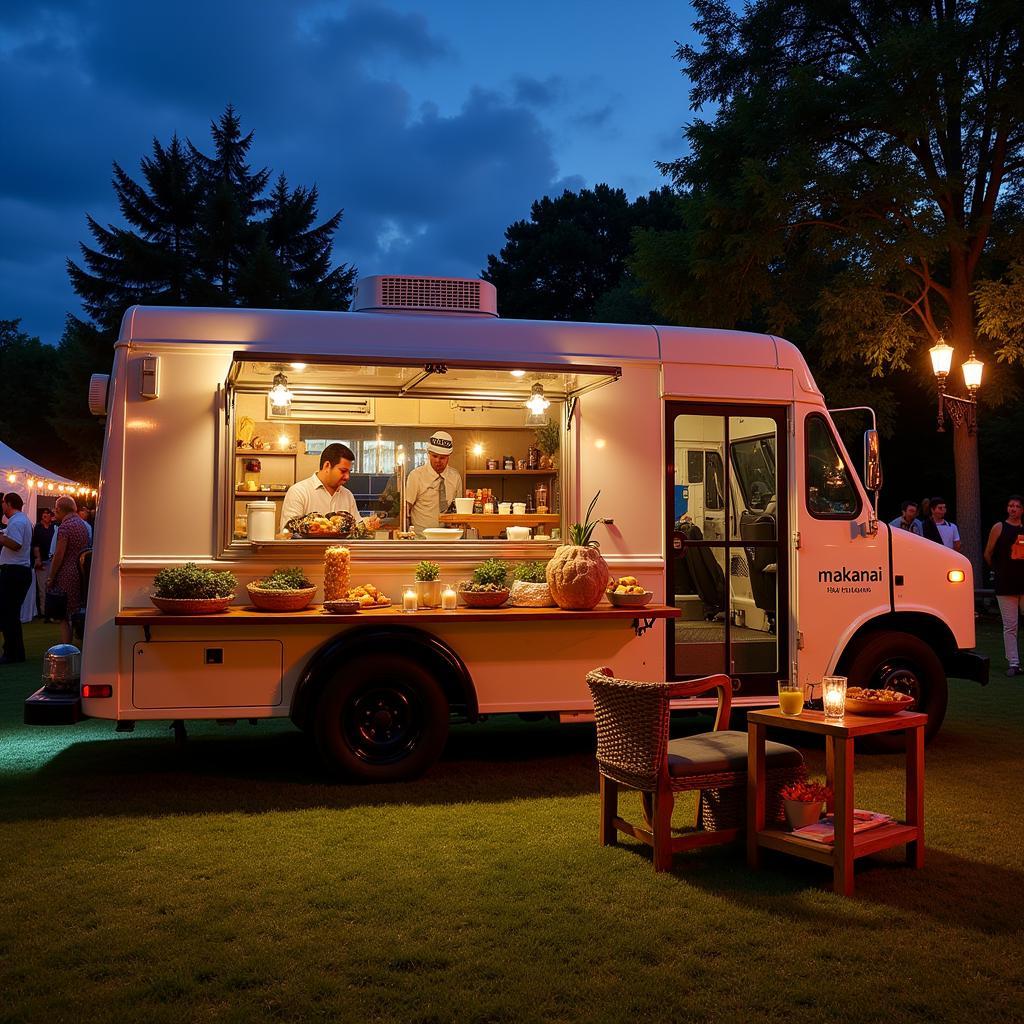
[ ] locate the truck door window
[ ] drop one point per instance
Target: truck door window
(714, 493)
(829, 489)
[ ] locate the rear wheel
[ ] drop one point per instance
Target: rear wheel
(904, 663)
(380, 718)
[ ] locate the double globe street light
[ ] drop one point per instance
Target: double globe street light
(959, 410)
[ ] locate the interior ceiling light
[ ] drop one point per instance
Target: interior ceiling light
(537, 403)
(280, 396)
(298, 366)
(518, 373)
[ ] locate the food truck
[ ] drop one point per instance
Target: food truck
(724, 489)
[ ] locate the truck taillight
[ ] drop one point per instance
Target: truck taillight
(955, 575)
(97, 690)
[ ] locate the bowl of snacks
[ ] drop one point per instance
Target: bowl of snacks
(862, 700)
(341, 607)
(626, 592)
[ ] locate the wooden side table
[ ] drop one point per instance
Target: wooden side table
(839, 737)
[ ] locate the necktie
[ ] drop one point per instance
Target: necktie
(442, 497)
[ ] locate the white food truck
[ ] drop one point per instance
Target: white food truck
(724, 489)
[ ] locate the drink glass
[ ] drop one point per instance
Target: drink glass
(791, 698)
(833, 696)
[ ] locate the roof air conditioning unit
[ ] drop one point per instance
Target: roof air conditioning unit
(464, 296)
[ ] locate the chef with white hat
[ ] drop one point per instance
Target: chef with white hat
(431, 488)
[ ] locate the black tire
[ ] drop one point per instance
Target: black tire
(381, 718)
(905, 663)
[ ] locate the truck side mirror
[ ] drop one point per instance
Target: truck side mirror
(872, 461)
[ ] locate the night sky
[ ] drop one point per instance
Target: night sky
(433, 126)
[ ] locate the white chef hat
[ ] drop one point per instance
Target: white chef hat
(440, 443)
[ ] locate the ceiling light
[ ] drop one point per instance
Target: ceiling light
(280, 396)
(537, 403)
(298, 367)
(518, 373)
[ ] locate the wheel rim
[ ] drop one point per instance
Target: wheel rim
(902, 677)
(382, 724)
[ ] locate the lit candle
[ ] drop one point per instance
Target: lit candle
(409, 602)
(449, 600)
(833, 696)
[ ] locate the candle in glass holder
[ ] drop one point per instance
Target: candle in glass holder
(833, 697)
(449, 600)
(409, 601)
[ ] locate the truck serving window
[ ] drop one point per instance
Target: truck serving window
(830, 492)
(503, 479)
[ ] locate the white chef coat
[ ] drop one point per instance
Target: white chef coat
(310, 495)
(421, 493)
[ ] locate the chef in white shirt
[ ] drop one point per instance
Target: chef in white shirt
(324, 491)
(431, 488)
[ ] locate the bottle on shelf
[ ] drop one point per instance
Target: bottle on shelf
(541, 493)
(529, 503)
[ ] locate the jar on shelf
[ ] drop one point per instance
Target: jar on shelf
(541, 498)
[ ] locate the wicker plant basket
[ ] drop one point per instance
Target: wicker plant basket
(280, 600)
(192, 605)
(727, 808)
(484, 598)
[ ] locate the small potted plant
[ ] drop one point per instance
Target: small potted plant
(488, 587)
(530, 587)
(428, 584)
(189, 590)
(577, 574)
(284, 590)
(548, 439)
(804, 802)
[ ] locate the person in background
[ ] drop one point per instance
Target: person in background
(907, 519)
(86, 517)
(42, 539)
(324, 491)
(15, 576)
(1009, 573)
(924, 510)
(65, 576)
(431, 488)
(937, 529)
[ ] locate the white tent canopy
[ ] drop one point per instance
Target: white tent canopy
(17, 472)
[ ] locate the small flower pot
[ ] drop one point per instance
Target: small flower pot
(428, 593)
(800, 813)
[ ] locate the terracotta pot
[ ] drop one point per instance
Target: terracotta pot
(577, 577)
(800, 812)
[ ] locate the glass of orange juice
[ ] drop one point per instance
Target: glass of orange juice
(791, 698)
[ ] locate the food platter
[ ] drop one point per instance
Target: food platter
(889, 705)
(327, 526)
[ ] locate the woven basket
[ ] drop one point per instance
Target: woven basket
(192, 605)
(280, 600)
(727, 808)
(484, 598)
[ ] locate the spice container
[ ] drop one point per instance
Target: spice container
(541, 498)
(260, 520)
(509, 462)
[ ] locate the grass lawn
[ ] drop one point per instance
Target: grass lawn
(226, 882)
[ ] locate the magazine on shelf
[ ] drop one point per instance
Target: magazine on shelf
(824, 831)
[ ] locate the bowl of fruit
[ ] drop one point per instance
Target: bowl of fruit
(626, 592)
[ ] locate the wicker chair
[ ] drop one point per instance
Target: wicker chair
(634, 751)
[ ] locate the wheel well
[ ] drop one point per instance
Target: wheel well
(431, 652)
(931, 630)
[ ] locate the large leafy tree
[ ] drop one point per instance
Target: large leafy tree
(866, 154)
(199, 230)
(568, 261)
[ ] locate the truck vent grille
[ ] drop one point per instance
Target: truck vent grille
(430, 292)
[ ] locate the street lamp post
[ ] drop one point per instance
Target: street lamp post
(963, 414)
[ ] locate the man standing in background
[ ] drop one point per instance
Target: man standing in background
(907, 519)
(938, 530)
(431, 488)
(15, 576)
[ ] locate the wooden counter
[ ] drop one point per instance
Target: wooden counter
(492, 525)
(239, 614)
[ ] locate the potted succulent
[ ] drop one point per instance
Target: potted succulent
(577, 574)
(804, 802)
(548, 439)
(428, 584)
(488, 587)
(284, 590)
(189, 590)
(530, 586)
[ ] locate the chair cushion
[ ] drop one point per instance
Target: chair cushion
(725, 751)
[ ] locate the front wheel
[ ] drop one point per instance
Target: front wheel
(904, 663)
(380, 718)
